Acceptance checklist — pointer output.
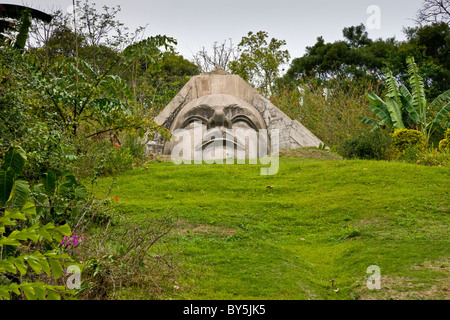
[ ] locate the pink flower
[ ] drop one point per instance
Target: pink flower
(115, 198)
(116, 144)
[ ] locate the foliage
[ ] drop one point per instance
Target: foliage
(259, 61)
(60, 198)
(429, 46)
(407, 140)
(156, 86)
(358, 57)
(329, 110)
(402, 106)
(22, 239)
(125, 256)
(445, 143)
(433, 157)
(373, 144)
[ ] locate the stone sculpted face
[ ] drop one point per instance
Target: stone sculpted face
(218, 121)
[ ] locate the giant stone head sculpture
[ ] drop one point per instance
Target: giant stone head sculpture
(219, 125)
(221, 115)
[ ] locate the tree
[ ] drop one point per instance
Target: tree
(260, 61)
(434, 11)
(430, 47)
(356, 36)
(355, 57)
(221, 56)
(158, 86)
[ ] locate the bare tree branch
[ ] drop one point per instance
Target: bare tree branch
(434, 11)
(221, 56)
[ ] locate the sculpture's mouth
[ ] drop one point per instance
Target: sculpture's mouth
(218, 138)
(220, 142)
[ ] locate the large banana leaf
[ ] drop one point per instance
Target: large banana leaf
(395, 113)
(15, 159)
(393, 91)
(370, 121)
(418, 90)
(406, 99)
(6, 184)
(374, 99)
(442, 114)
(19, 193)
(15, 12)
(378, 106)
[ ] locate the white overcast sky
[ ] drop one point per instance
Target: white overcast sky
(200, 23)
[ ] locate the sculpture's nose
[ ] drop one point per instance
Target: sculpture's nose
(219, 120)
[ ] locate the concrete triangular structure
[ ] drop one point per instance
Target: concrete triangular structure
(292, 134)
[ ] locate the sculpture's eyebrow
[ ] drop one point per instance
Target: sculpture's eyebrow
(200, 109)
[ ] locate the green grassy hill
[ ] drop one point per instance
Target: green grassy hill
(308, 232)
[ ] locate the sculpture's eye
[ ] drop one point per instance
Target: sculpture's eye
(242, 121)
(192, 120)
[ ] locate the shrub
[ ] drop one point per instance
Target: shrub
(406, 143)
(126, 256)
(101, 157)
(119, 159)
(444, 144)
(25, 244)
(434, 158)
(367, 145)
(136, 147)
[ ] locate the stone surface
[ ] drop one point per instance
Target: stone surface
(217, 88)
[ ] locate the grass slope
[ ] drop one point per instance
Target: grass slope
(241, 235)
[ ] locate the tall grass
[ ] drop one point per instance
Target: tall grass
(330, 111)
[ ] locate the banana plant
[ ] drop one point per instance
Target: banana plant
(23, 15)
(400, 101)
(14, 190)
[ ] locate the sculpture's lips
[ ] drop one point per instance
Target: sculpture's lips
(220, 142)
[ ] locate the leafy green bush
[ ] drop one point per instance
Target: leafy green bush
(136, 146)
(25, 243)
(407, 142)
(119, 159)
(61, 198)
(444, 144)
(434, 158)
(372, 144)
(102, 157)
